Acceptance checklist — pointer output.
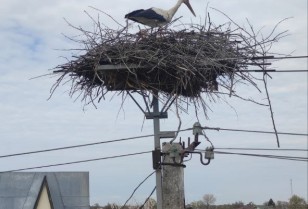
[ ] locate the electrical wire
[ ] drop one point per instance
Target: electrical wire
(75, 162)
(253, 131)
(288, 57)
(148, 198)
(260, 149)
(145, 136)
(137, 189)
(190, 157)
(305, 159)
(76, 146)
(295, 158)
(274, 71)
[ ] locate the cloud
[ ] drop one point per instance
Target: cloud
(30, 33)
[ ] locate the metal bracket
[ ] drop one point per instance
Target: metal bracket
(174, 164)
(156, 157)
(166, 134)
(180, 164)
(201, 157)
(152, 115)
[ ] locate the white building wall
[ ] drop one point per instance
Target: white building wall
(43, 202)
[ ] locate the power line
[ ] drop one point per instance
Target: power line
(289, 57)
(80, 161)
(144, 136)
(75, 146)
(274, 71)
(148, 198)
(259, 149)
(291, 71)
(275, 58)
(145, 152)
(294, 158)
(253, 131)
(137, 188)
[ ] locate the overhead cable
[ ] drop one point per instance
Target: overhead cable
(145, 136)
(273, 71)
(253, 131)
(260, 149)
(137, 188)
(294, 158)
(147, 199)
(75, 146)
(75, 162)
(289, 57)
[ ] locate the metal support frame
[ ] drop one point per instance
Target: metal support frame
(155, 114)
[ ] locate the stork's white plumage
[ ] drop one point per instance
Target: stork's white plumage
(155, 17)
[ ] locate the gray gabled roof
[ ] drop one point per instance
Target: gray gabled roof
(67, 190)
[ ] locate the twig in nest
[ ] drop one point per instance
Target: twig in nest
(270, 106)
(180, 121)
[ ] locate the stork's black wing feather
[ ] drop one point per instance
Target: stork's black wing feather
(148, 14)
(133, 13)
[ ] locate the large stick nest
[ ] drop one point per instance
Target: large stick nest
(182, 61)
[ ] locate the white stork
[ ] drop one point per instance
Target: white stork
(155, 17)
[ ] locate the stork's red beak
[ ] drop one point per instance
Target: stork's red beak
(189, 7)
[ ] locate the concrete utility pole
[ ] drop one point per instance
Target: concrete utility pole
(173, 177)
(156, 117)
(170, 186)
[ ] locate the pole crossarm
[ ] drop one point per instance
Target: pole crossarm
(152, 115)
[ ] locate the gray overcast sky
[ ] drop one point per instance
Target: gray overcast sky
(30, 33)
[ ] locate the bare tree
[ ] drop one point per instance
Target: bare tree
(150, 204)
(196, 205)
(209, 199)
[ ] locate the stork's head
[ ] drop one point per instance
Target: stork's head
(189, 6)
